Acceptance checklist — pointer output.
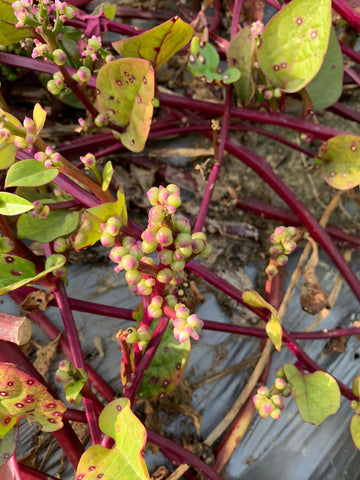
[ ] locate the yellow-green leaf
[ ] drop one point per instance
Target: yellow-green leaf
(158, 44)
(9, 34)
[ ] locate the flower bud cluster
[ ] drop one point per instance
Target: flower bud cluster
(40, 210)
(186, 325)
(140, 335)
(92, 47)
(110, 230)
(283, 244)
(269, 401)
(37, 14)
(49, 158)
(22, 9)
(62, 244)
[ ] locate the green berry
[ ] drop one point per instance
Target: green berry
(131, 335)
(133, 277)
(164, 236)
(107, 240)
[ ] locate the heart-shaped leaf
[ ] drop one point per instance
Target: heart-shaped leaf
(317, 395)
(240, 54)
(17, 272)
(273, 326)
(9, 34)
(29, 173)
(294, 43)
(125, 460)
(23, 396)
(125, 94)
(340, 161)
(326, 87)
(355, 430)
(58, 223)
(11, 204)
(204, 63)
(90, 230)
(158, 44)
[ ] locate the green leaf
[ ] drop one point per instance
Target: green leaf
(8, 442)
(17, 271)
(57, 224)
(240, 54)
(73, 387)
(7, 154)
(11, 204)
(273, 326)
(317, 395)
(125, 93)
(29, 173)
(355, 430)
(326, 87)
(204, 63)
(125, 460)
(107, 175)
(294, 43)
(9, 34)
(340, 161)
(158, 44)
(24, 396)
(90, 230)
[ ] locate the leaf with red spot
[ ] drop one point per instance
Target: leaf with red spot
(294, 43)
(125, 94)
(158, 44)
(340, 161)
(126, 459)
(23, 396)
(17, 271)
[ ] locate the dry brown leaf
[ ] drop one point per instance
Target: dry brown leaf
(37, 300)
(45, 355)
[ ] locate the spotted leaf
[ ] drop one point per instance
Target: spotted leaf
(158, 44)
(125, 94)
(340, 161)
(17, 271)
(23, 396)
(125, 460)
(294, 43)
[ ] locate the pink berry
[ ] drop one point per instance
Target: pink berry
(164, 236)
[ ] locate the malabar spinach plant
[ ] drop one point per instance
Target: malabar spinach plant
(60, 195)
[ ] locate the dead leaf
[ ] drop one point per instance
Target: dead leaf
(45, 355)
(37, 300)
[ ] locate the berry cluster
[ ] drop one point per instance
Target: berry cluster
(269, 401)
(140, 335)
(283, 244)
(171, 235)
(49, 158)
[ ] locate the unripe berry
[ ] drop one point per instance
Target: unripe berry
(131, 335)
(148, 247)
(280, 383)
(264, 391)
(164, 236)
(179, 323)
(280, 372)
(182, 311)
(289, 246)
(198, 245)
(277, 401)
(60, 245)
(286, 392)
(144, 333)
(165, 256)
(182, 225)
(276, 249)
(163, 195)
(117, 253)
(206, 252)
(182, 336)
(164, 276)
(107, 240)
(157, 301)
(149, 235)
(53, 88)
(59, 56)
(275, 413)
(291, 231)
(136, 251)
(128, 241)
(178, 277)
(142, 289)
(266, 408)
(172, 188)
(132, 277)
(128, 262)
(177, 265)
(271, 270)
(171, 300)
(153, 195)
(193, 321)
(101, 120)
(258, 400)
(186, 251)
(174, 200)
(282, 260)
(156, 214)
(182, 240)
(154, 312)
(280, 231)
